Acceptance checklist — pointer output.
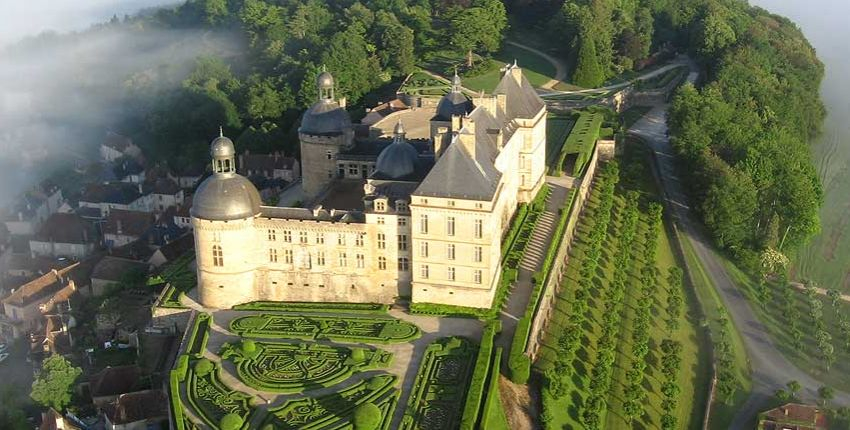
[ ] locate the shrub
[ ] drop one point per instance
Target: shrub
(520, 367)
(230, 422)
(367, 417)
(358, 355)
(479, 378)
(248, 347)
(182, 367)
(203, 367)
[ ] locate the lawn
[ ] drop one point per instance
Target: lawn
(692, 377)
(535, 68)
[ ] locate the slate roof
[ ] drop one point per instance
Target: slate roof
(116, 192)
(117, 142)
(128, 223)
(113, 268)
(176, 248)
(265, 162)
(457, 175)
(113, 381)
(318, 214)
(65, 228)
(163, 186)
(139, 406)
(522, 100)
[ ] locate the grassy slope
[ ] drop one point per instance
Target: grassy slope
(694, 374)
(536, 69)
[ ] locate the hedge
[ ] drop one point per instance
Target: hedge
(519, 365)
(311, 327)
(581, 141)
(493, 417)
(472, 407)
(174, 379)
(365, 308)
(200, 335)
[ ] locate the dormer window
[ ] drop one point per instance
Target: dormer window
(401, 206)
(381, 205)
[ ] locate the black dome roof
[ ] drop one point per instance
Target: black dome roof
(453, 103)
(325, 118)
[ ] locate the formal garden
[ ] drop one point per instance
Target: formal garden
(621, 350)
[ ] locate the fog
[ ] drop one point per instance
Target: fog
(824, 22)
(61, 91)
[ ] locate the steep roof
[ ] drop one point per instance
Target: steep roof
(522, 100)
(65, 228)
(117, 142)
(40, 288)
(459, 174)
(133, 407)
(794, 416)
(113, 381)
(116, 192)
(174, 249)
(248, 161)
(163, 186)
(128, 223)
(113, 268)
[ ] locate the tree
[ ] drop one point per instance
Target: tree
(588, 72)
(54, 385)
(826, 394)
(367, 416)
(782, 395)
(12, 417)
(264, 101)
(480, 27)
(231, 422)
(395, 45)
(215, 11)
(203, 367)
(794, 387)
(834, 296)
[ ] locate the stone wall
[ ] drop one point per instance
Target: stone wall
(553, 282)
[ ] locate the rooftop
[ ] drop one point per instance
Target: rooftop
(114, 381)
(42, 287)
(139, 406)
(65, 228)
(128, 223)
(793, 416)
(174, 249)
(115, 192)
(266, 162)
(117, 142)
(115, 269)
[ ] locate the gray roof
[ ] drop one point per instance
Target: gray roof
(325, 118)
(312, 215)
(224, 197)
(458, 175)
(222, 147)
(522, 100)
(398, 159)
(453, 103)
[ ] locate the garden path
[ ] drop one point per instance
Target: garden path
(820, 291)
(560, 68)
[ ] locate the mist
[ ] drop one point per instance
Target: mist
(61, 91)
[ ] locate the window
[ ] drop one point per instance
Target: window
(302, 236)
(353, 170)
(450, 226)
(272, 255)
(216, 236)
(451, 203)
(382, 241)
(361, 261)
(450, 273)
(382, 263)
(330, 155)
(403, 264)
(401, 206)
(380, 206)
(381, 220)
(479, 229)
(479, 206)
(359, 240)
(218, 256)
(402, 242)
(423, 249)
(402, 221)
(423, 224)
(342, 260)
(320, 258)
(476, 276)
(287, 236)
(320, 238)
(287, 256)
(424, 271)
(450, 251)
(478, 254)
(340, 239)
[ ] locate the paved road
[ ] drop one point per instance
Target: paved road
(770, 369)
(560, 68)
(678, 62)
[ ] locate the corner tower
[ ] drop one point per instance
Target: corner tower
(325, 131)
(223, 212)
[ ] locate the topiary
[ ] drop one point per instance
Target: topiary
(358, 355)
(203, 367)
(377, 382)
(230, 422)
(249, 346)
(367, 417)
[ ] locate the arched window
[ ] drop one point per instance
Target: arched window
(218, 256)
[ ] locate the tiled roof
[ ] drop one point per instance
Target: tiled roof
(113, 381)
(128, 223)
(161, 186)
(115, 192)
(125, 167)
(174, 249)
(40, 288)
(116, 141)
(795, 416)
(264, 162)
(134, 407)
(114, 268)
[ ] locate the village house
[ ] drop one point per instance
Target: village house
(25, 307)
(162, 193)
(53, 420)
(116, 146)
(114, 195)
(270, 166)
(172, 250)
(64, 235)
(128, 170)
(123, 227)
(793, 416)
(189, 176)
(182, 217)
(112, 270)
(32, 208)
(140, 410)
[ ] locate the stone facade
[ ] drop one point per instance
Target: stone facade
(432, 232)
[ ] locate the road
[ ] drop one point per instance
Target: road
(770, 369)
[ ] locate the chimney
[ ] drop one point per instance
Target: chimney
(468, 141)
(117, 226)
(441, 141)
(140, 189)
(455, 122)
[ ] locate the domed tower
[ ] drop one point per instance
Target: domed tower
(223, 212)
(397, 160)
(325, 130)
(450, 109)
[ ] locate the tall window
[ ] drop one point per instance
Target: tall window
(402, 242)
(320, 258)
(218, 256)
(478, 254)
(287, 236)
(340, 239)
(272, 235)
(424, 271)
(479, 229)
(402, 221)
(320, 238)
(302, 236)
(329, 155)
(423, 224)
(450, 251)
(359, 240)
(401, 206)
(287, 256)
(403, 264)
(450, 226)
(272, 255)
(381, 220)
(361, 261)
(382, 241)
(382, 263)
(450, 273)
(342, 260)
(423, 249)
(476, 276)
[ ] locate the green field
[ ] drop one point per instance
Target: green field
(565, 412)
(535, 68)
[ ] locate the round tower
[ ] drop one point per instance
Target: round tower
(325, 130)
(223, 212)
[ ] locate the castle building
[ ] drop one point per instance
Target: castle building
(384, 218)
